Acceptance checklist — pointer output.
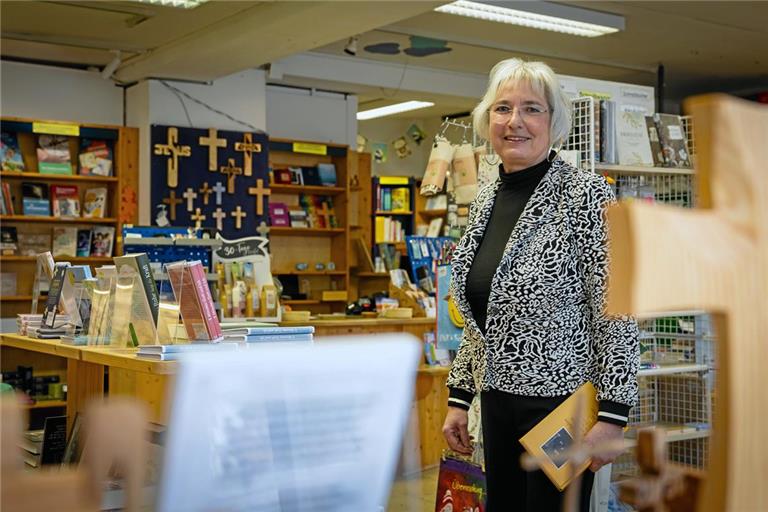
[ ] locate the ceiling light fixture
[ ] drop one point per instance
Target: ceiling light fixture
(540, 15)
(392, 109)
(182, 4)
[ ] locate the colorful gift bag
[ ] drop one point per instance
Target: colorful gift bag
(460, 485)
(437, 167)
(464, 173)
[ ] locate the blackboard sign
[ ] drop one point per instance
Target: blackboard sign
(54, 439)
(242, 247)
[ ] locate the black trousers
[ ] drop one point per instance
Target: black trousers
(506, 418)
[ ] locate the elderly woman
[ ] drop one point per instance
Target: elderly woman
(529, 277)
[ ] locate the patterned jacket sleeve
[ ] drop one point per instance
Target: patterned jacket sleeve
(615, 339)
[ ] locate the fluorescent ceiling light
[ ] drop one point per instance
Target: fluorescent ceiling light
(392, 109)
(541, 15)
(183, 4)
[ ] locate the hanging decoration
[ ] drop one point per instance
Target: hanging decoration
(416, 134)
(379, 151)
(210, 178)
(401, 148)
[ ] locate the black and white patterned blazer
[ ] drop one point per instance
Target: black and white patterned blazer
(546, 331)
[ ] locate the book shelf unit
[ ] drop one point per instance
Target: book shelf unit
(290, 246)
(122, 194)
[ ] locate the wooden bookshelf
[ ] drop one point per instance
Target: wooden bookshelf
(373, 274)
(640, 169)
(289, 245)
(122, 193)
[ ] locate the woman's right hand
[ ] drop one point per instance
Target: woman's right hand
(456, 432)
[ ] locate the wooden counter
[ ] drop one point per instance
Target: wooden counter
(359, 325)
(89, 368)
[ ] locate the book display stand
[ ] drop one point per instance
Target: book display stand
(168, 312)
(132, 321)
(43, 273)
(102, 308)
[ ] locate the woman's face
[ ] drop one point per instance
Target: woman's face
(519, 126)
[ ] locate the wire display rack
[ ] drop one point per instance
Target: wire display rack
(582, 136)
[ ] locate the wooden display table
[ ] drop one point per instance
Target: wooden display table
(94, 371)
(359, 325)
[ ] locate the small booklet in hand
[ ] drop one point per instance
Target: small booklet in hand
(553, 435)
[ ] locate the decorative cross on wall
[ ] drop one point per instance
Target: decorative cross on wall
(713, 258)
(174, 151)
(238, 214)
(190, 195)
(206, 191)
(218, 189)
(230, 170)
(172, 201)
(213, 143)
(198, 217)
(219, 215)
(260, 192)
(248, 148)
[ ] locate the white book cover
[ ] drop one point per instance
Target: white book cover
(633, 143)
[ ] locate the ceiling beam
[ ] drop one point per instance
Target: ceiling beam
(264, 33)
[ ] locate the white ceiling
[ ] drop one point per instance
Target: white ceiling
(703, 46)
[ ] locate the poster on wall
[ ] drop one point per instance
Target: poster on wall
(208, 178)
(450, 324)
(379, 151)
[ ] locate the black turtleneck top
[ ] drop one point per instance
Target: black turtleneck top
(513, 194)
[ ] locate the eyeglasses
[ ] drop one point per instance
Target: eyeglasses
(502, 113)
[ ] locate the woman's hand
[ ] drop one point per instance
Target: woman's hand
(600, 434)
(456, 432)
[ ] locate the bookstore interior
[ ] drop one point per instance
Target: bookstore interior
(277, 193)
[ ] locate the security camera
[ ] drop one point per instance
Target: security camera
(351, 47)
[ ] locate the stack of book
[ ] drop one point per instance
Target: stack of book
(32, 325)
(250, 335)
(32, 447)
(173, 352)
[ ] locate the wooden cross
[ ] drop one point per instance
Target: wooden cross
(213, 143)
(172, 201)
(174, 151)
(231, 171)
(260, 192)
(263, 229)
(661, 487)
(198, 218)
(325, 213)
(247, 147)
(713, 258)
(238, 214)
(206, 191)
(190, 196)
(218, 189)
(219, 215)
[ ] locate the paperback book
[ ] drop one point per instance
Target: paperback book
(102, 240)
(95, 158)
(672, 138)
(65, 241)
(31, 244)
(7, 203)
(83, 243)
(9, 241)
(94, 203)
(54, 294)
(34, 199)
(66, 200)
(10, 153)
(53, 155)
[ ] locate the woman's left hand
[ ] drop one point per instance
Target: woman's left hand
(600, 434)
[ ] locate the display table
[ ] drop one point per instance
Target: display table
(359, 325)
(91, 371)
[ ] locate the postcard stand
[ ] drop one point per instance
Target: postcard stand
(132, 320)
(192, 312)
(168, 327)
(102, 306)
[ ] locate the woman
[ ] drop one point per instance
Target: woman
(529, 277)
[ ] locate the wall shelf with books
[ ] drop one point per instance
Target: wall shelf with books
(309, 220)
(67, 188)
(640, 169)
(394, 213)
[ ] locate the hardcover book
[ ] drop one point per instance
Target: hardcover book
(672, 138)
(34, 197)
(553, 435)
(653, 138)
(278, 214)
(632, 138)
(65, 241)
(191, 311)
(102, 240)
(9, 241)
(95, 158)
(10, 153)
(53, 155)
(327, 174)
(66, 200)
(94, 203)
(310, 176)
(204, 297)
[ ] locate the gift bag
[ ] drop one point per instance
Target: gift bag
(460, 485)
(437, 167)
(464, 174)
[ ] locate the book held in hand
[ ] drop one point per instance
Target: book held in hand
(554, 435)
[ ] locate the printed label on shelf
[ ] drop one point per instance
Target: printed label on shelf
(56, 129)
(311, 149)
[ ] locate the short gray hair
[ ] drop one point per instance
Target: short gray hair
(542, 79)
